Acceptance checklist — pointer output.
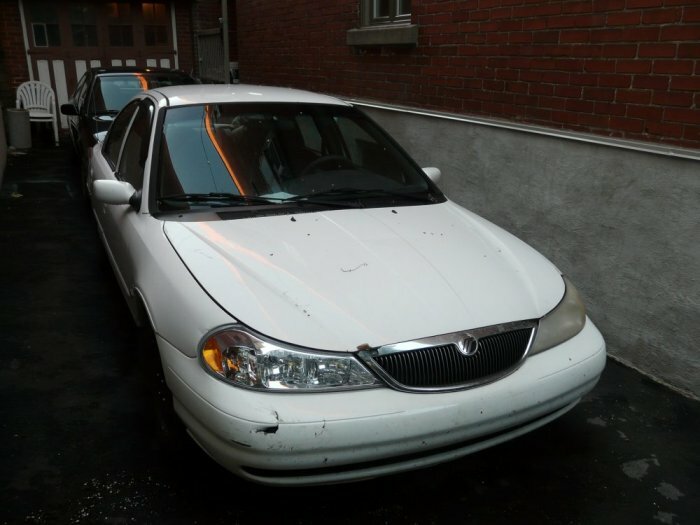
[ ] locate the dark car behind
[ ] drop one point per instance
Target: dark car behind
(102, 92)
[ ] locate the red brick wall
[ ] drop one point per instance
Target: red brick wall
(13, 59)
(622, 68)
(206, 14)
(185, 42)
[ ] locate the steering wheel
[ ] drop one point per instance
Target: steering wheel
(338, 160)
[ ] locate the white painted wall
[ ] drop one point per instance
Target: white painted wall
(623, 224)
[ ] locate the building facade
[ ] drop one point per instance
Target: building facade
(56, 41)
(619, 68)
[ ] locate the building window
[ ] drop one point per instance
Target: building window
(121, 33)
(46, 35)
(121, 36)
(83, 23)
(384, 23)
(387, 11)
(119, 10)
(44, 21)
(155, 20)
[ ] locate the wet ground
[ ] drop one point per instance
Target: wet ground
(86, 434)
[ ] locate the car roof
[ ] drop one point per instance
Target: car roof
(221, 93)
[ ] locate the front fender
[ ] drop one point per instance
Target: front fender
(174, 303)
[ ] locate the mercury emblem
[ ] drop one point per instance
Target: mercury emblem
(468, 346)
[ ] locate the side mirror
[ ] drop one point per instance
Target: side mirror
(433, 174)
(69, 109)
(116, 192)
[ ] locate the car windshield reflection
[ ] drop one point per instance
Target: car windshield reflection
(112, 92)
(285, 153)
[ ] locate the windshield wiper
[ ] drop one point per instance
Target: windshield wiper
(355, 193)
(226, 199)
(219, 198)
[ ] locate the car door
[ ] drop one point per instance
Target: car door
(74, 121)
(123, 158)
(90, 122)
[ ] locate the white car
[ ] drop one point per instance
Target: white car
(322, 312)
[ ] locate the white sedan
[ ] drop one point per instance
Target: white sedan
(323, 313)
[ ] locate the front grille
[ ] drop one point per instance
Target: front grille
(445, 367)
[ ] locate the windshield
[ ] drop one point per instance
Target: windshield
(112, 92)
(283, 153)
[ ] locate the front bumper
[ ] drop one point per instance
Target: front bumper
(314, 438)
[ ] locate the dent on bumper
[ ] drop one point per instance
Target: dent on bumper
(305, 438)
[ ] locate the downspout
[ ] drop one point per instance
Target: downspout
(176, 59)
(26, 39)
(224, 30)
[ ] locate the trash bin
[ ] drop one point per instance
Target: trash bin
(19, 130)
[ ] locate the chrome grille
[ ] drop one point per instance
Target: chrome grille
(445, 367)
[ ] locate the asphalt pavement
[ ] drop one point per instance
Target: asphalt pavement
(87, 434)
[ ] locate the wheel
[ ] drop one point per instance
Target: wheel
(164, 425)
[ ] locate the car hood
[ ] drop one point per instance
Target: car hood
(338, 279)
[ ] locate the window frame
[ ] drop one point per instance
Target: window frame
(145, 107)
(370, 18)
(81, 17)
(331, 135)
(152, 22)
(80, 94)
(114, 164)
(394, 30)
(46, 28)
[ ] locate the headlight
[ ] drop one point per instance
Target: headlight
(240, 357)
(562, 323)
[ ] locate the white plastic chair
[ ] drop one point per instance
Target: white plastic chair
(39, 99)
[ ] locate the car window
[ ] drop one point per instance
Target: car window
(115, 137)
(361, 147)
(309, 132)
(165, 79)
(279, 151)
(135, 152)
(189, 160)
(112, 92)
(79, 94)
